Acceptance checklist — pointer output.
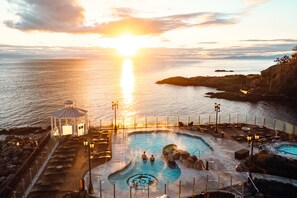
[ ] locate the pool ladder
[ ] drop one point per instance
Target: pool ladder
(200, 152)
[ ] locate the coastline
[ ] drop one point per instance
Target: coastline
(249, 88)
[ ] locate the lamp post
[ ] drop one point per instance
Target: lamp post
(217, 107)
(251, 138)
(90, 146)
(115, 106)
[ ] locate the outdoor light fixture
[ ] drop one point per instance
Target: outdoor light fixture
(217, 107)
(91, 146)
(251, 138)
(115, 106)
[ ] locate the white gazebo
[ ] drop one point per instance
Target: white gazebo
(69, 121)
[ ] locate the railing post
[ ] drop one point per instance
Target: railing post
(165, 189)
(255, 119)
(130, 191)
(209, 119)
(264, 122)
(114, 191)
(231, 181)
(23, 185)
(100, 188)
(219, 178)
(167, 121)
(274, 124)
(148, 191)
(179, 189)
(123, 122)
(193, 192)
(206, 183)
(242, 189)
(220, 119)
(245, 118)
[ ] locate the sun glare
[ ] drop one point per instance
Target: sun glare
(126, 45)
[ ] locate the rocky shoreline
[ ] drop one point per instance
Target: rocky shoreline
(277, 83)
(16, 147)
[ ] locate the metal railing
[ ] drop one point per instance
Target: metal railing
(174, 121)
(202, 184)
(22, 179)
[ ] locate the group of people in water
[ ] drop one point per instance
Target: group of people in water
(145, 158)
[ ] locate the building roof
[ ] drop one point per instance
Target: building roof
(69, 111)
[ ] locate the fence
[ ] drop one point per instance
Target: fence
(285, 127)
(201, 184)
(173, 121)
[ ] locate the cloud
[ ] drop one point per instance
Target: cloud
(251, 3)
(67, 16)
(45, 15)
(271, 40)
(264, 50)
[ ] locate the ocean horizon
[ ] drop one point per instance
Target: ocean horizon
(31, 89)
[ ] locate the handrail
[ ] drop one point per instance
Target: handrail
(198, 149)
(253, 182)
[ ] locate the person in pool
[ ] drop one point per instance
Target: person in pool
(143, 156)
(152, 158)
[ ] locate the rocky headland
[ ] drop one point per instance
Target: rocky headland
(277, 82)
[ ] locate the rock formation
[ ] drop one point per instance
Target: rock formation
(171, 153)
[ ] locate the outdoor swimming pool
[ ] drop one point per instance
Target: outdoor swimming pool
(288, 149)
(157, 173)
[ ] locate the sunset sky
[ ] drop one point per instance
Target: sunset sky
(198, 28)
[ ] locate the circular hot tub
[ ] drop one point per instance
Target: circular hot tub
(141, 181)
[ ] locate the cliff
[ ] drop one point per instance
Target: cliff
(275, 83)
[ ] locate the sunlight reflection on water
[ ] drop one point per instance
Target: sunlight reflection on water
(32, 89)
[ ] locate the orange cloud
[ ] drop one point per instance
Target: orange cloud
(68, 16)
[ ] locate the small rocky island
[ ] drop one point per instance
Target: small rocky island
(277, 82)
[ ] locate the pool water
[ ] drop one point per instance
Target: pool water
(153, 144)
(288, 149)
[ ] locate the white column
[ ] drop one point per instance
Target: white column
(74, 127)
(60, 128)
(52, 127)
(87, 124)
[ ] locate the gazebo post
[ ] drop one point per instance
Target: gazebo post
(52, 126)
(60, 128)
(74, 127)
(87, 124)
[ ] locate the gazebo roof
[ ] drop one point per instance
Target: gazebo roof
(69, 111)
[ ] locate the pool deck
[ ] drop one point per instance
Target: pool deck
(221, 171)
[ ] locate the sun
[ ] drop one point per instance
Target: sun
(127, 45)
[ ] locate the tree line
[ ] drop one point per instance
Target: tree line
(286, 59)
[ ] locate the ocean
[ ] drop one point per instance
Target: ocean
(32, 89)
